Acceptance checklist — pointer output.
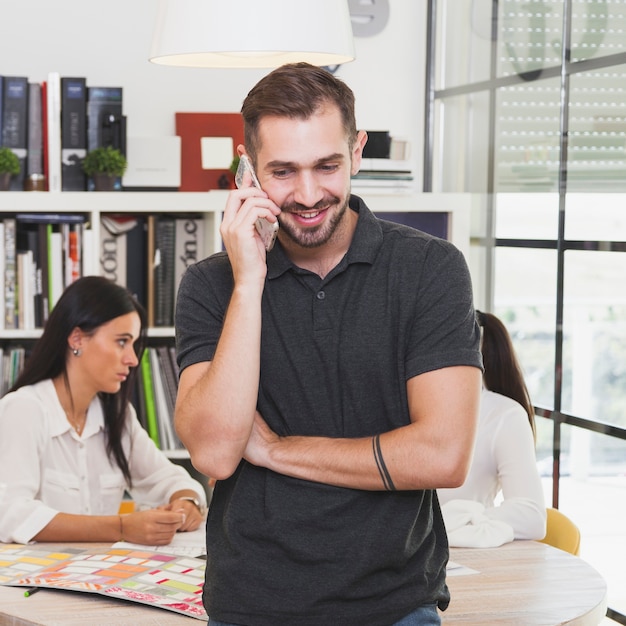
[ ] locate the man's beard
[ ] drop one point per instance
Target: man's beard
(317, 236)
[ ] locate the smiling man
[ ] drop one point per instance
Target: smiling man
(330, 385)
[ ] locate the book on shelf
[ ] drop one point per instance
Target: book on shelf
(164, 408)
(104, 118)
(73, 257)
(10, 273)
(165, 233)
(106, 123)
(189, 246)
(56, 282)
(170, 375)
(44, 131)
(138, 398)
(60, 242)
(31, 244)
(150, 266)
(73, 133)
(136, 267)
(2, 309)
(34, 157)
(122, 255)
(15, 123)
(1, 105)
(52, 150)
(150, 416)
(112, 255)
(137, 574)
(25, 290)
(399, 166)
(12, 364)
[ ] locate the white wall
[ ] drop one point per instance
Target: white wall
(109, 43)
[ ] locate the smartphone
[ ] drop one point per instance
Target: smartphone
(266, 229)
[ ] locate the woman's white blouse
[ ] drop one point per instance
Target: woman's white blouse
(46, 468)
(504, 464)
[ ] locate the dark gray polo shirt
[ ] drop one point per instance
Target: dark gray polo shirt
(335, 357)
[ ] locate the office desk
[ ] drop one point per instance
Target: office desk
(523, 582)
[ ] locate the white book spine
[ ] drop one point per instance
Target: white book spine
(54, 131)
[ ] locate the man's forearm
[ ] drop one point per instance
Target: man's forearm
(216, 403)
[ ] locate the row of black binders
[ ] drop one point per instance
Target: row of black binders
(52, 125)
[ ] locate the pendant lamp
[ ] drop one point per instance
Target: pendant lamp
(252, 33)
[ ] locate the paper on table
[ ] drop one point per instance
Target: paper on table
(184, 544)
(456, 569)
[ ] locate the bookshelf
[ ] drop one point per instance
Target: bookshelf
(454, 207)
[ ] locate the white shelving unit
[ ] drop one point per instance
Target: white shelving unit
(211, 204)
(94, 204)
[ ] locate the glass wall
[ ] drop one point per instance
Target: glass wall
(527, 108)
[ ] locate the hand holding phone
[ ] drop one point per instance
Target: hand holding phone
(266, 229)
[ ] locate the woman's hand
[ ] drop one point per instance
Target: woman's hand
(154, 527)
(193, 515)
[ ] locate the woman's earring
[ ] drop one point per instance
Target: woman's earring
(76, 352)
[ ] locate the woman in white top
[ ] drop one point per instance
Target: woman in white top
(70, 441)
(502, 497)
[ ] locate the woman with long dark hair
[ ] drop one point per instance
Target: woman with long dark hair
(502, 497)
(70, 441)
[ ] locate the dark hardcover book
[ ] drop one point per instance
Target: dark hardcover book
(73, 133)
(52, 218)
(106, 124)
(44, 130)
(136, 266)
(31, 237)
(150, 264)
(104, 117)
(34, 157)
(164, 271)
(15, 123)
(169, 376)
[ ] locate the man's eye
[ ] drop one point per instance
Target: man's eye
(329, 167)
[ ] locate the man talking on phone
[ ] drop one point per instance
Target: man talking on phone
(330, 385)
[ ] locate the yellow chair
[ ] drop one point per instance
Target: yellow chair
(561, 532)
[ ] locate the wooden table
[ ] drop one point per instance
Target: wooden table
(523, 583)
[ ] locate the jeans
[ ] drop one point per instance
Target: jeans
(423, 616)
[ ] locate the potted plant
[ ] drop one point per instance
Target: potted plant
(9, 167)
(104, 165)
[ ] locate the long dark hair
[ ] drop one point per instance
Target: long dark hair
(87, 303)
(503, 373)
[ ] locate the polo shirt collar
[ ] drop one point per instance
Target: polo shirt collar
(368, 237)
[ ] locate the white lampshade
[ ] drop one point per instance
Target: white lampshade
(252, 33)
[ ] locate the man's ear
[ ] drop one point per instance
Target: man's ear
(357, 152)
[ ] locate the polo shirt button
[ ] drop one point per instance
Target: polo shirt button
(321, 295)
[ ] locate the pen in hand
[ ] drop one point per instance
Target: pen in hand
(31, 591)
